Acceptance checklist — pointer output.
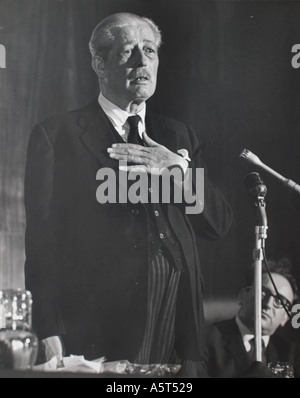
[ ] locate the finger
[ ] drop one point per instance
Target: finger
(132, 159)
(131, 152)
(136, 156)
(141, 169)
(134, 169)
(128, 146)
(184, 153)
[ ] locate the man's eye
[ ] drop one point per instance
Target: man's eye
(150, 50)
(126, 53)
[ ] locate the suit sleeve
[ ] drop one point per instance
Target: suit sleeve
(42, 235)
(215, 220)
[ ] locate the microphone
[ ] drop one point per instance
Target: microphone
(252, 158)
(257, 189)
(255, 185)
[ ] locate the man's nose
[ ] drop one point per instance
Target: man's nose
(267, 302)
(140, 58)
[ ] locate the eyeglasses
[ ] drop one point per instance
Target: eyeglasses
(279, 301)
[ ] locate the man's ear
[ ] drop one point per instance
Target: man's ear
(98, 66)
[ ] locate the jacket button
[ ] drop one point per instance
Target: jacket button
(156, 212)
(162, 236)
(135, 212)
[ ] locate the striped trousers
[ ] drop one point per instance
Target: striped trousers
(158, 342)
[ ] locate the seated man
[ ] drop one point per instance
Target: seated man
(230, 343)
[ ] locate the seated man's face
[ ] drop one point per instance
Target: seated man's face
(131, 67)
(273, 314)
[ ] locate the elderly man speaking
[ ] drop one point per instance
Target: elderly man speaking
(120, 280)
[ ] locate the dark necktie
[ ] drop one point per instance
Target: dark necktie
(133, 136)
(251, 353)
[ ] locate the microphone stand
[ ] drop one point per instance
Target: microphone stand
(258, 191)
(260, 237)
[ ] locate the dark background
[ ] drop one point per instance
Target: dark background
(225, 69)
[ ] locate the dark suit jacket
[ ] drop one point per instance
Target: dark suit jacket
(226, 356)
(86, 262)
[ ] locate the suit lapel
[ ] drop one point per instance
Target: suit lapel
(235, 346)
(98, 135)
(98, 132)
(160, 132)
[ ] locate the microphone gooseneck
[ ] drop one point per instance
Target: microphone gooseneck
(257, 190)
(252, 158)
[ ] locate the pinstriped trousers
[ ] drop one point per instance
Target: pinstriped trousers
(158, 342)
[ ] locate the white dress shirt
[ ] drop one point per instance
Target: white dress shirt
(247, 335)
(118, 117)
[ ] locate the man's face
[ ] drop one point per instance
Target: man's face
(130, 70)
(272, 316)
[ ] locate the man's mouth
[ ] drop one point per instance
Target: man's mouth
(140, 79)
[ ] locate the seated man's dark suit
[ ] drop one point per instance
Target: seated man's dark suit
(226, 355)
(86, 262)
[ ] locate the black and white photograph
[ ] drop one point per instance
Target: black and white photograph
(149, 191)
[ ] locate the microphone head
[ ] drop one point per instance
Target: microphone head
(255, 185)
(250, 157)
(244, 154)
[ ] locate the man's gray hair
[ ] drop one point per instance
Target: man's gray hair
(105, 32)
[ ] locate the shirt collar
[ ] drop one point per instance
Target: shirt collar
(117, 115)
(247, 334)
